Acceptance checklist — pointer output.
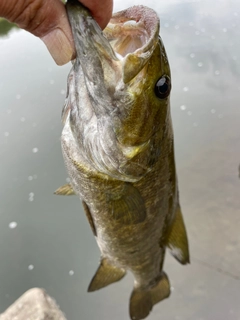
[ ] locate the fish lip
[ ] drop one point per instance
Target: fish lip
(88, 36)
(94, 56)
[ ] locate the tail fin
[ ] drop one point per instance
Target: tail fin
(142, 301)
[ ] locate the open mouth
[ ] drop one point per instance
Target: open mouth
(133, 36)
(126, 37)
(130, 39)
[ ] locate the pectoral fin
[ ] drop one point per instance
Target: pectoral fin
(106, 274)
(142, 301)
(65, 190)
(128, 207)
(89, 217)
(177, 239)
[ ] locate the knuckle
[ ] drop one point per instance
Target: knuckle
(29, 15)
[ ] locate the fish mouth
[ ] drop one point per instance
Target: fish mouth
(125, 36)
(133, 35)
(119, 52)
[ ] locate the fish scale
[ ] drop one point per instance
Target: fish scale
(117, 144)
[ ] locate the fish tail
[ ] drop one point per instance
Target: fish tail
(143, 300)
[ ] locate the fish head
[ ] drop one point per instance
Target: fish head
(127, 82)
(145, 79)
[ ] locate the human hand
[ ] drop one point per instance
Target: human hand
(47, 19)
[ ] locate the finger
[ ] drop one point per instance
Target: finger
(100, 10)
(45, 19)
(48, 20)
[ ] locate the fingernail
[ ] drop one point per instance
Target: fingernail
(59, 46)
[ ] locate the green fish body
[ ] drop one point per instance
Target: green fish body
(117, 144)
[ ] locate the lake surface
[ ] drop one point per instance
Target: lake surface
(45, 240)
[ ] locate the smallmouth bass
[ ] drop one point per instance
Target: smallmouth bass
(117, 144)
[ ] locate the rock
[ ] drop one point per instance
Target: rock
(34, 304)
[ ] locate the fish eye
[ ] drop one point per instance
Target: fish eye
(163, 87)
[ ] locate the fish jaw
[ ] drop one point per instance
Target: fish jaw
(133, 34)
(96, 56)
(112, 58)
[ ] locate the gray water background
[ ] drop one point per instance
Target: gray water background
(45, 240)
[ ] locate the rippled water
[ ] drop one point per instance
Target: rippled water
(45, 240)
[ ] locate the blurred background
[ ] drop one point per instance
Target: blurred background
(45, 240)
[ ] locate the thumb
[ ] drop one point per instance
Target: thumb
(46, 19)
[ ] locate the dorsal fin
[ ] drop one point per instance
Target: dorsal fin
(177, 241)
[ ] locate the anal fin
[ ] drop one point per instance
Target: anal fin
(106, 274)
(142, 301)
(177, 241)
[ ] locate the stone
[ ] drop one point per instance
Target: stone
(34, 304)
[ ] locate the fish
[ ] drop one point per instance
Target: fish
(118, 148)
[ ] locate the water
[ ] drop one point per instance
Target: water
(45, 240)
